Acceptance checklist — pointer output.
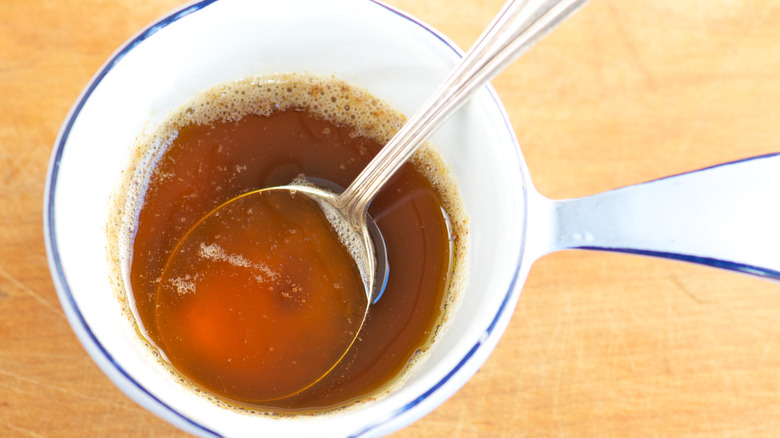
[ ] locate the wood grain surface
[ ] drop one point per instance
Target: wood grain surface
(599, 345)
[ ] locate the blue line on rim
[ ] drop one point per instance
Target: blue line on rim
(707, 261)
(149, 31)
(52, 184)
(715, 166)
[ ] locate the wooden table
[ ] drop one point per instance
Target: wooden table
(599, 345)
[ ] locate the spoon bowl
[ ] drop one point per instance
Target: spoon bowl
(312, 312)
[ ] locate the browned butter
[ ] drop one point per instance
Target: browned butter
(264, 132)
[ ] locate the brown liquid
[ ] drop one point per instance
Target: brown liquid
(207, 164)
(260, 299)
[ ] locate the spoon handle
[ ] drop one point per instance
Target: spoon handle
(517, 27)
(727, 216)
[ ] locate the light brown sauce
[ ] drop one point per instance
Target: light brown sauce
(262, 133)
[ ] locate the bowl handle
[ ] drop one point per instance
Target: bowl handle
(726, 216)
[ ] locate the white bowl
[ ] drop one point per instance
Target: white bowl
(363, 42)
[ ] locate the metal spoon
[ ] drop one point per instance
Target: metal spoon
(517, 27)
